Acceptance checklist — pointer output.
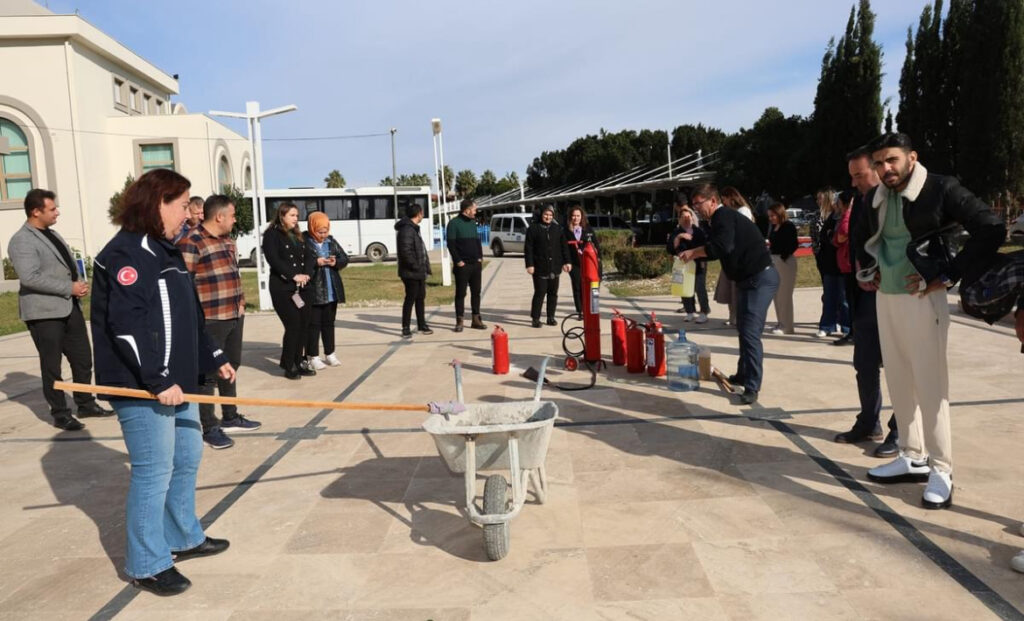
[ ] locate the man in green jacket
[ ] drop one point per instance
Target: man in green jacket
(467, 260)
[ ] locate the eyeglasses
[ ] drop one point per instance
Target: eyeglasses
(700, 202)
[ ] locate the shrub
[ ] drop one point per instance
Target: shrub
(612, 240)
(9, 273)
(643, 262)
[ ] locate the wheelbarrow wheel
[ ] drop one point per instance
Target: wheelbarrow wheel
(496, 536)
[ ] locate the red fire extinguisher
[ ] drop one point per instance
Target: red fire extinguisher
(634, 347)
(590, 280)
(618, 338)
(499, 347)
(655, 347)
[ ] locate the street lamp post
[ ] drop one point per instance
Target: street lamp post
(253, 116)
(446, 261)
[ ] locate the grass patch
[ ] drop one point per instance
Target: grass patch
(806, 276)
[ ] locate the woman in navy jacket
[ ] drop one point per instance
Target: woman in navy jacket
(148, 333)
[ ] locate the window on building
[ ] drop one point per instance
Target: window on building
(156, 156)
(247, 180)
(15, 166)
(133, 96)
(118, 91)
(224, 174)
(160, 106)
(147, 104)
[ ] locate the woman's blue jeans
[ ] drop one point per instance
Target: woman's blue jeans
(165, 445)
(834, 307)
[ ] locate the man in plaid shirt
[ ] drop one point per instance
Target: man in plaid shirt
(211, 257)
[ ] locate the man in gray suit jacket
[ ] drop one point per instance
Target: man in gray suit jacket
(49, 304)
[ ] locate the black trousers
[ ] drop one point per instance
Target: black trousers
(415, 293)
(544, 287)
(575, 277)
(467, 275)
(321, 327)
(63, 337)
(228, 334)
(295, 321)
(867, 361)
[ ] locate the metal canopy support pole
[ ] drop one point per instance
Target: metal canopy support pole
(446, 259)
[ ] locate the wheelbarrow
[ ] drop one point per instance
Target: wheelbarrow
(497, 436)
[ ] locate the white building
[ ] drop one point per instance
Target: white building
(79, 112)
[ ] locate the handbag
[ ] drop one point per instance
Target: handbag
(934, 253)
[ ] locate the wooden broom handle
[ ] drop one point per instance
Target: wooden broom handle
(286, 403)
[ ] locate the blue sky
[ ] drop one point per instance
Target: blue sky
(508, 79)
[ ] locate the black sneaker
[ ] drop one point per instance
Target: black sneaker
(239, 423)
(305, 369)
(552, 321)
(215, 438)
(167, 582)
(68, 423)
(406, 333)
(535, 323)
(208, 547)
(425, 330)
(96, 410)
(748, 397)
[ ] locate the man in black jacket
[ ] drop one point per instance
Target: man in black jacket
(413, 268)
(867, 353)
(902, 254)
(547, 256)
(738, 244)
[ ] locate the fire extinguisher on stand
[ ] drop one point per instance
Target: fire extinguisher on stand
(618, 338)
(655, 347)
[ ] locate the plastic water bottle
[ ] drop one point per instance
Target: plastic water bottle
(683, 374)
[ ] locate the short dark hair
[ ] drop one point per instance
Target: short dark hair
(413, 209)
(141, 202)
(36, 199)
(706, 190)
(466, 204)
(891, 140)
(681, 199)
(196, 200)
(214, 204)
(859, 152)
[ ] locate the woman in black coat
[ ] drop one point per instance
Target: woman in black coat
(413, 268)
(325, 258)
(285, 252)
(782, 240)
(577, 235)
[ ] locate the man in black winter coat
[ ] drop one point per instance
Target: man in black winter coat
(547, 256)
(413, 268)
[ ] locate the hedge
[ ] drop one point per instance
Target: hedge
(612, 240)
(643, 262)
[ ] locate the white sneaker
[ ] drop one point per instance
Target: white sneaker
(1022, 530)
(901, 470)
(821, 334)
(688, 317)
(316, 363)
(702, 318)
(332, 360)
(777, 331)
(1017, 562)
(938, 494)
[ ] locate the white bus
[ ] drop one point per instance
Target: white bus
(362, 219)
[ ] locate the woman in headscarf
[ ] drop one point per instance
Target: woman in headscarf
(325, 258)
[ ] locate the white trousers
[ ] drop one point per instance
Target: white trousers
(913, 333)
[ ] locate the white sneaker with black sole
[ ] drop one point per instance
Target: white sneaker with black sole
(939, 492)
(316, 363)
(901, 470)
(1017, 562)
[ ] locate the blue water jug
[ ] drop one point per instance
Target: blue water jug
(681, 358)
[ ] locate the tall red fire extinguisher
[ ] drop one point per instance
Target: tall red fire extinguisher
(499, 347)
(634, 347)
(590, 281)
(655, 347)
(618, 338)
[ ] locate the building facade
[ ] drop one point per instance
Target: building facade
(79, 113)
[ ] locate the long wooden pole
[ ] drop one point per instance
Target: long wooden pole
(285, 403)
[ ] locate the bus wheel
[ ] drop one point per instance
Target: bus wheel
(252, 257)
(376, 252)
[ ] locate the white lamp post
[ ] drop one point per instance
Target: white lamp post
(253, 116)
(446, 260)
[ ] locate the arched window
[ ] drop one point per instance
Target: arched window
(224, 174)
(15, 165)
(247, 180)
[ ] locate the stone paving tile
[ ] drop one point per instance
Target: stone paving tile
(661, 505)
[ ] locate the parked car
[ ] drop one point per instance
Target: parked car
(508, 232)
(605, 222)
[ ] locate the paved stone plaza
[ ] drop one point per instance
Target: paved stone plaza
(661, 505)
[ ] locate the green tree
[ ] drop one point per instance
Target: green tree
(488, 184)
(335, 179)
(509, 182)
(448, 176)
(762, 158)
(244, 222)
(465, 183)
(688, 139)
(923, 82)
(115, 206)
(414, 179)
